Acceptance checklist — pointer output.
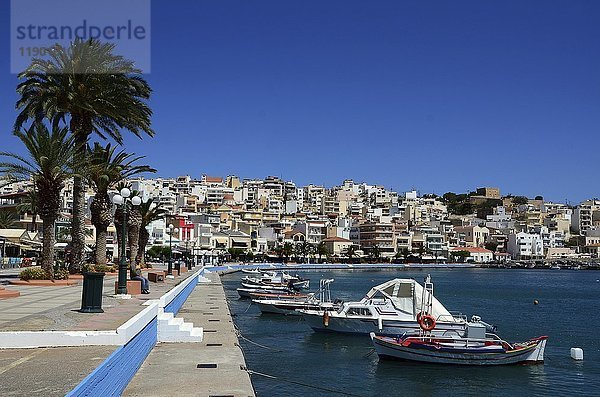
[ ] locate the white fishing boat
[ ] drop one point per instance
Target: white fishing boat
(391, 308)
(477, 348)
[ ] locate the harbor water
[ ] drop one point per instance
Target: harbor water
(306, 363)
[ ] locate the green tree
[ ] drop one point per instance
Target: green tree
(350, 253)
(8, 220)
(519, 200)
(461, 256)
(287, 251)
(322, 250)
(107, 167)
(93, 90)
(375, 253)
(491, 245)
(49, 162)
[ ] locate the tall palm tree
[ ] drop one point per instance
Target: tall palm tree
(150, 212)
(95, 91)
(49, 162)
(107, 167)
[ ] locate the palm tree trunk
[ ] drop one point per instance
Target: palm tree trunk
(134, 220)
(144, 238)
(48, 241)
(119, 229)
(134, 238)
(81, 133)
(101, 217)
(101, 234)
(77, 225)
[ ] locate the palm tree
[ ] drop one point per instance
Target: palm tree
(28, 205)
(350, 252)
(322, 250)
(95, 91)
(49, 163)
(287, 250)
(8, 220)
(150, 212)
(375, 253)
(107, 168)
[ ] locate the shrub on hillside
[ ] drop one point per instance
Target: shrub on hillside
(33, 273)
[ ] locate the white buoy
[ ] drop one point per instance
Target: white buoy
(576, 353)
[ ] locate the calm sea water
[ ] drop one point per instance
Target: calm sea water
(568, 312)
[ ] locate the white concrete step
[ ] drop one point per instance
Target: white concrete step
(175, 329)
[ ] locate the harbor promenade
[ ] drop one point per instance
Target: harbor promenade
(56, 371)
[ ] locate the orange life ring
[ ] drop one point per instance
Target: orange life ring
(427, 322)
(420, 316)
(326, 318)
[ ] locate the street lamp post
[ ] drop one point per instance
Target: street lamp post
(172, 229)
(121, 200)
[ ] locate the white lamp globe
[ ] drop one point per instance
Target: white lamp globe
(117, 199)
(176, 230)
(136, 200)
(170, 227)
(125, 192)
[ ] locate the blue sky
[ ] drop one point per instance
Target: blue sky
(437, 95)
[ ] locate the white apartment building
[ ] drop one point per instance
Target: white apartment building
(525, 246)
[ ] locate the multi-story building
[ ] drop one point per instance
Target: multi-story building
(525, 246)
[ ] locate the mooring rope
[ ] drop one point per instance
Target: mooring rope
(295, 382)
(238, 333)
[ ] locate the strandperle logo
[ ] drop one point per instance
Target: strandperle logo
(38, 25)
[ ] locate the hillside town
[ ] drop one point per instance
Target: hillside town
(215, 219)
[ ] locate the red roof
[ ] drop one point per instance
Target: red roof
(213, 178)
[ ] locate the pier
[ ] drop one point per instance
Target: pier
(215, 367)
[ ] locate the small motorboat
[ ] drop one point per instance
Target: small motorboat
(287, 306)
(248, 292)
(391, 308)
(489, 350)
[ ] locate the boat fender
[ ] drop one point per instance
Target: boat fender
(380, 323)
(326, 318)
(427, 322)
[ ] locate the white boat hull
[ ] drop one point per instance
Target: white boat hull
(385, 326)
(384, 349)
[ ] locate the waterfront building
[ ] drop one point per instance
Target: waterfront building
(525, 246)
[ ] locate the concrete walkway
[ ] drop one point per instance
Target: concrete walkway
(41, 308)
(211, 368)
(56, 371)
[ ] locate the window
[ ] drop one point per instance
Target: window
(358, 311)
